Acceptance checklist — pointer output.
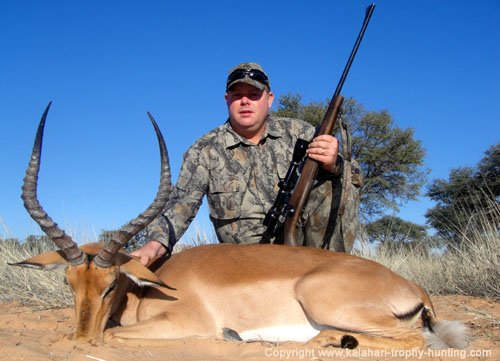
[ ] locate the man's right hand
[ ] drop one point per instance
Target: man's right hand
(150, 252)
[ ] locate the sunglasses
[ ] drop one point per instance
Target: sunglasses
(253, 74)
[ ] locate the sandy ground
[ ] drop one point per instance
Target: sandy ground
(28, 334)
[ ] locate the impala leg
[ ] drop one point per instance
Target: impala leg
(371, 322)
(331, 338)
(344, 339)
(171, 325)
(369, 327)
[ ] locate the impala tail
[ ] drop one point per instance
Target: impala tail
(443, 334)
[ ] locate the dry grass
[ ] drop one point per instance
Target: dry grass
(471, 268)
(41, 289)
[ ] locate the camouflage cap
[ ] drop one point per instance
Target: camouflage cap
(242, 73)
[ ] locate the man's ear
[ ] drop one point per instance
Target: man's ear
(270, 98)
(44, 261)
(141, 275)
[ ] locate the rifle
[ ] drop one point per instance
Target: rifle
(294, 188)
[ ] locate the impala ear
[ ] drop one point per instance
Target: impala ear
(44, 261)
(141, 275)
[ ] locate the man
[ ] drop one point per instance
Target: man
(238, 166)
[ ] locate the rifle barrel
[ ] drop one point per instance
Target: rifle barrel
(368, 15)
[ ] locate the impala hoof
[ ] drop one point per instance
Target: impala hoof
(349, 342)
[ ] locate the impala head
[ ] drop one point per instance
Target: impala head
(95, 272)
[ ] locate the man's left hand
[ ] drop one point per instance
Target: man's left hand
(324, 149)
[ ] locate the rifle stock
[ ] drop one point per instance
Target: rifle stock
(309, 172)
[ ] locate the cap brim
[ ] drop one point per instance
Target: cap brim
(249, 81)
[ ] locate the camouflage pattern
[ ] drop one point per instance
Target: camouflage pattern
(240, 180)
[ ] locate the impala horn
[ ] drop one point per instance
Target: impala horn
(119, 238)
(29, 195)
(69, 247)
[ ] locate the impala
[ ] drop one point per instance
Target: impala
(239, 292)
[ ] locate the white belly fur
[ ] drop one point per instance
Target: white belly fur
(297, 333)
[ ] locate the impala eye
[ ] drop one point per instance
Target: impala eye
(111, 287)
(65, 280)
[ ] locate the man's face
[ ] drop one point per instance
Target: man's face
(248, 108)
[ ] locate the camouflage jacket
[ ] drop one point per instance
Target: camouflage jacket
(240, 180)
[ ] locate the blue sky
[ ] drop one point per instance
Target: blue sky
(434, 65)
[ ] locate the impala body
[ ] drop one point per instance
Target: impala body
(273, 293)
(239, 292)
